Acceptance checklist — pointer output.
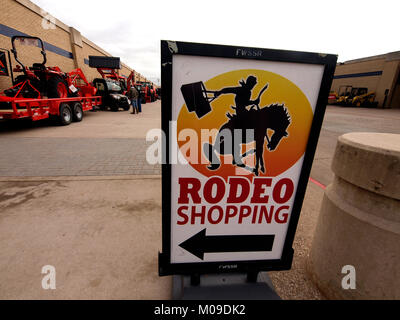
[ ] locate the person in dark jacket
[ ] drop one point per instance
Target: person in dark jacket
(133, 95)
(139, 101)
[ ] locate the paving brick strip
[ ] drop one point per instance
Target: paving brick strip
(46, 157)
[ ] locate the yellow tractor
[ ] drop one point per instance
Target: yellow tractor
(355, 97)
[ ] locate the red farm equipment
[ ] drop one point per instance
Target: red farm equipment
(148, 91)
(143, 90)
(107, 73)
(146, 94)
(111, 86)
(41, 92)
(130, 81)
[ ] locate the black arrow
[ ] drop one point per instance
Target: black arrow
(200, 243)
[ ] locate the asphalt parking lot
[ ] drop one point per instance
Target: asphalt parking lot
(83, 199)
(341, 120)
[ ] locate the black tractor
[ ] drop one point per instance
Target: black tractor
(111, 92)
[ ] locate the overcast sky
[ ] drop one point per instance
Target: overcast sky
(132, 30)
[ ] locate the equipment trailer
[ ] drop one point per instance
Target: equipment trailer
(41, 92)
(65, 110)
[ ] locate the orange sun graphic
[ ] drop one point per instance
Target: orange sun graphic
(280, 91)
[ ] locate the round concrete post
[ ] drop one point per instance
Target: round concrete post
(359, 221)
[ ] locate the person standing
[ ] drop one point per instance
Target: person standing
(133, 95)
(139, 101)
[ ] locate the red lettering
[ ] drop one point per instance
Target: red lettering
(208, 190)
(259, 189)
(244, 212)
(284, 215)
(201, 215)
(185, 190)
(277, 193)
(215, 190)
(267, 215)
(220, 214)
(183, 215)
(253, 220)
(234, 183)
(230, 215)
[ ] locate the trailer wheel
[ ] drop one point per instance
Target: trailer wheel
(65, 116)
(77, 112)
(57, 88)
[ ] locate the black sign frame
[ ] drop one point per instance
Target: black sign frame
(170, 48)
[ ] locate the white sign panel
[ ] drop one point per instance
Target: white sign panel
(238, 134)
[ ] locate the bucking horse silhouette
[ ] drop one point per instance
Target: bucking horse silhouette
(257, 121)
(234, 132)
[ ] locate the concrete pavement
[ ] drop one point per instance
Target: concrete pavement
(83, 199)
(102, 236)
(105, 143)
(74, 157)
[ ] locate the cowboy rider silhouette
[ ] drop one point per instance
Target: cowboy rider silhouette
(242, 100)
(242, 95)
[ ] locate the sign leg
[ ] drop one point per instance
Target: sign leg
(224, 287)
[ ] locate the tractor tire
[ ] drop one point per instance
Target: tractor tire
(65, 116)
(57, 88)
(77, 112)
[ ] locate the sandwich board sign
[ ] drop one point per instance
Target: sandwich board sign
(241, 127)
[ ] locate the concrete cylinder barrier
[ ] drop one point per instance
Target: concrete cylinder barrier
(355, 252)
